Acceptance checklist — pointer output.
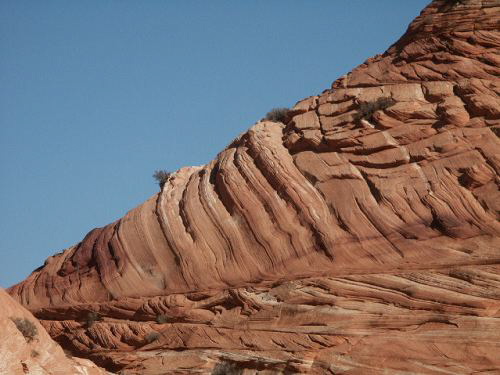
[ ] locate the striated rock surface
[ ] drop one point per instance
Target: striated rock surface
(30, 350)
(360, 236)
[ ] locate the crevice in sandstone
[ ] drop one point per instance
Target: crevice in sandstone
(211, 213)
(164, 231)
(215, 180)
(270, 215)
(283, 194)
(249, 229)
(182, 209)
(373, 189)
(222, 192)
(373, 150)
(115, 256)
(371, 164)
(258, 191)
(384, 235)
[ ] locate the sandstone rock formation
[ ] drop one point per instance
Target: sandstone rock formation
(360, 236)
(30, 350)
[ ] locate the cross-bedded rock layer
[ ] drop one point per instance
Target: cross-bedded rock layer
(26, 348)
(361, 234)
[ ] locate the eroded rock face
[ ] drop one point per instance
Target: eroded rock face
(361, 236)
(26, 348)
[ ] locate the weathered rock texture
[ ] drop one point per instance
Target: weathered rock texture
(30, 350)
(359, 236)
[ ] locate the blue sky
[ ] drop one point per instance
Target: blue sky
(96, 95)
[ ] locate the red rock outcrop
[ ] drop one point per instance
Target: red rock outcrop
(361, 235)
(26, 348)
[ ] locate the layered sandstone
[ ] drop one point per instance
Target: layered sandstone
(30, 350)
(360, 235)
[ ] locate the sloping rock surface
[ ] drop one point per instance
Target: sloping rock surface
(30, 350)
(360, 235)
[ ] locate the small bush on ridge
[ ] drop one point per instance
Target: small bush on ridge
(227, 368)
(92, 317)
(152, 336)
(367, 109)
(26, 327)
(161, 176)
(161, 319)
(277, 115)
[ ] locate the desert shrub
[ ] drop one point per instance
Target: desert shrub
(367, 109)
(34, 353)
(161, 319)
(227, 368)
(92, 317)
(450, 4)
(152, 336)
(26, 327)
(278, 115)
(161, 176)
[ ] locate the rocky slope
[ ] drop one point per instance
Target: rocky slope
(360, 235)
(26, 348)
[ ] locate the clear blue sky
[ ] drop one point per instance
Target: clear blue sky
(96, 95)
